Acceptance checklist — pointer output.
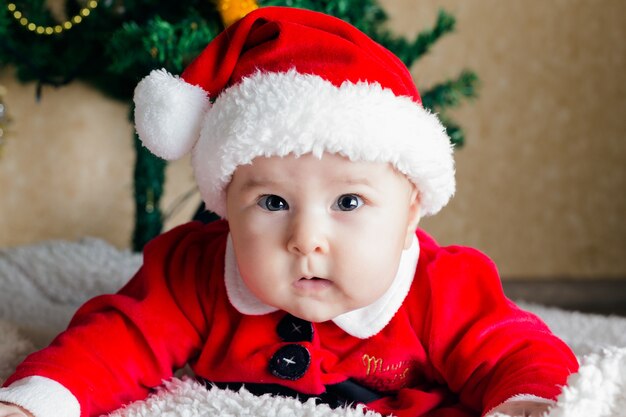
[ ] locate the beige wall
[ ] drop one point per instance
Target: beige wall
(541, 181)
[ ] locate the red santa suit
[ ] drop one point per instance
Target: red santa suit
(443, 341)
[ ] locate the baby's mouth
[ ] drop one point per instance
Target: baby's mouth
(312, 283)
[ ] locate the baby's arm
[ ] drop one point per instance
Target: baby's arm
(488, 350)
(11, 410)
(119, 346)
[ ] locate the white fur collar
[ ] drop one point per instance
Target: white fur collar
(362, 323)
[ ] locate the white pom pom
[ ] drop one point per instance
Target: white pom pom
(169, 114)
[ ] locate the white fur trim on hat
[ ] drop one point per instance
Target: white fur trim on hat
(276, 114)
(168, 114)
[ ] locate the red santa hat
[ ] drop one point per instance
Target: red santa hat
(290, 81)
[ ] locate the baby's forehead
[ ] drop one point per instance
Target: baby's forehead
(326, 163)
(328, 167)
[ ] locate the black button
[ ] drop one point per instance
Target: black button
(293, 329)
(290, 362)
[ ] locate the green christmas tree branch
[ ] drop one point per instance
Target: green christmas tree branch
(451, 93)
(160, 44)
(409, 52)
(149, 177)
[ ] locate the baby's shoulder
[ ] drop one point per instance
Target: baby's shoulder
(454, 275)
(189, 238)
(431, 253)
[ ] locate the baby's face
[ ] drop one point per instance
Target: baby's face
(319, 237)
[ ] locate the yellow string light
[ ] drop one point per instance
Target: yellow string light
(56, 29)
(231, 11)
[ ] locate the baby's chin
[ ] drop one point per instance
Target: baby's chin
(314, 315)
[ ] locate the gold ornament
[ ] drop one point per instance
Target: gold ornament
(56, 29)
(231, 10)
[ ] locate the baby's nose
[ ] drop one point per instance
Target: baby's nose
(307, 235)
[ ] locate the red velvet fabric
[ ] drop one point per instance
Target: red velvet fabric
(277, 39)
(456, 347)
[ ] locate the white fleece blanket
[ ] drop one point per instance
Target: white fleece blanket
(42, 285)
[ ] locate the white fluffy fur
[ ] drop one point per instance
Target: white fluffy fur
(275, 114)
(168, 114)
(187, 398)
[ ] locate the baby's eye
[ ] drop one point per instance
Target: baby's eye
(348, 202)
(272, 202)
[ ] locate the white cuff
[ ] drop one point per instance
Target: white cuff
(43, 397)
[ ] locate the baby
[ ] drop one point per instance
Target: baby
(310, 140)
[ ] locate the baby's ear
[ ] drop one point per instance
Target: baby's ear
(413, 217)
